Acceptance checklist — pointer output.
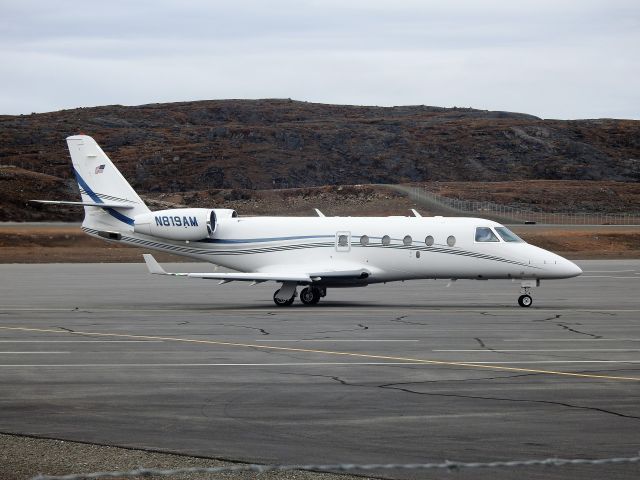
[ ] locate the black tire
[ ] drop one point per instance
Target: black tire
(282, 303)
(310, 296)
(525, 301)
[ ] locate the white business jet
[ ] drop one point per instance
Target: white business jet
(315, 253)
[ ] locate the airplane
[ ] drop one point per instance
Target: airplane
(316, 253)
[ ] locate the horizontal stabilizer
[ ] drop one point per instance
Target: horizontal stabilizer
(84, 204)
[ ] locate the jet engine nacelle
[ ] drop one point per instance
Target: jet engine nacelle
(181, 223)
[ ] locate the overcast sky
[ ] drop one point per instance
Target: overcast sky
(554, 59)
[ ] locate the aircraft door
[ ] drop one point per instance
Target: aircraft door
(343, 241)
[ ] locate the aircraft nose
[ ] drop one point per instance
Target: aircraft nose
(570, 269)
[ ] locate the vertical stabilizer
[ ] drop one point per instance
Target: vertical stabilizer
(101, 182)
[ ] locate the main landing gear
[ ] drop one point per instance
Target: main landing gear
(280, 302)
(308, 296)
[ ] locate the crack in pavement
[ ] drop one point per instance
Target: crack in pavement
(401, 318)
(462, 380)
(344, 382)
(72, 331)
(395, 386)
(392, 386)
(490, 349)
(568, 328)
(603, 313)
(261, 330)
(527, 354)
(483, 345)
(77, 310)
(361, 327)
(555, 317)
(335, 378)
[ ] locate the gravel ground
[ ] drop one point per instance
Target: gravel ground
(23, 458)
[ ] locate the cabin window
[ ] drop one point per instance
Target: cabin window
(418, 254)
(428, 241)
(407, 240)
(507, 235)
(451, 240)
(364, 240)
(386, 240)
(343, 240)
(485, 234)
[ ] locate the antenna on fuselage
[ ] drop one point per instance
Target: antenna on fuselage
(415, 212)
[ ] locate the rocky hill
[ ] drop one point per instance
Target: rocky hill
(246, 145)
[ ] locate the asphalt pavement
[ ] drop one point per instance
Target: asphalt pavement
(399, 373)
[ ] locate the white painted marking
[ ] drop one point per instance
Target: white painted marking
(303, 364)
(536, 362)
(196, 311)
(573, 340)
(298, 364)
(608, 276)
(549, 350)
(29, 353)
(81, 341)
(608, 271)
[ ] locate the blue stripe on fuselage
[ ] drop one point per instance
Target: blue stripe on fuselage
(258, 240)
(114, 213)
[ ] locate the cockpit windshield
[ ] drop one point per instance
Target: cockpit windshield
(485, 234)
(507, 235)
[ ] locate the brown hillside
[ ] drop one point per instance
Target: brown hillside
(266, 144)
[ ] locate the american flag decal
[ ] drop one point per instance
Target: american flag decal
(100, 169)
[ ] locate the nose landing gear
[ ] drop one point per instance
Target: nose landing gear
(525, 300)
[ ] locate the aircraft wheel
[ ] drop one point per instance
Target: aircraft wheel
(310, 296)
(282, 303)
(525, 300)
(317, 294)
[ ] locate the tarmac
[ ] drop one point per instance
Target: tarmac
(400, 373)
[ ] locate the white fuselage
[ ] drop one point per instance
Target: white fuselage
(397, 248)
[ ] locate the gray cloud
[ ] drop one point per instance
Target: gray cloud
(571, 59)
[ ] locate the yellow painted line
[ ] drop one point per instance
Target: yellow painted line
(328, 352)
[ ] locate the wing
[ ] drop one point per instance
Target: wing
(155, 268)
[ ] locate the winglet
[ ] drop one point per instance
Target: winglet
(153, 265)
(415, 212)
(320, 214)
